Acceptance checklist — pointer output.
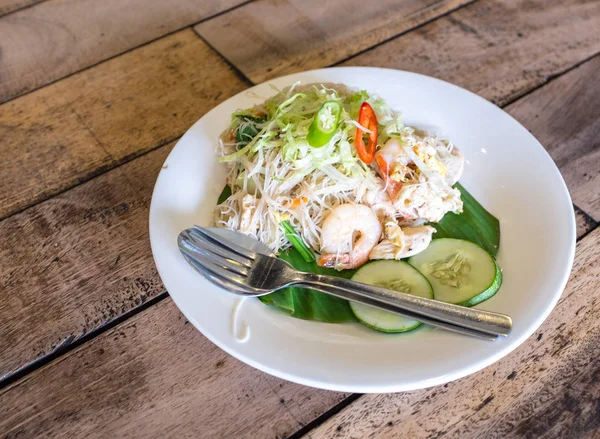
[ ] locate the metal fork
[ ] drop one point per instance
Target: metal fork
(254, 273)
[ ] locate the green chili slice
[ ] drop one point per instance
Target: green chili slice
(324, 124)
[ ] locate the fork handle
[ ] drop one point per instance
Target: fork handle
(484, 324)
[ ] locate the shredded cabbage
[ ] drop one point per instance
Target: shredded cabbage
(275, 175)
(288, 179)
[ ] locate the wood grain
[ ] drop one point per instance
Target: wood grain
(163, 82)
(58, 37)
(547, 388)
(286, 36)
(76, 261)
(80, 294)
(499, 49)
(585, 223)
(565, 117)
(7, 6)
(66, 133)
(156, 376)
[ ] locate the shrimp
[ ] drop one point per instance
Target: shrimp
(402, 243)
(349, 233)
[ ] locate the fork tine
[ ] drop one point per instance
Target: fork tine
(222, 283)
(210, 265)
(208, 244)
(220, 241)
(189, 243)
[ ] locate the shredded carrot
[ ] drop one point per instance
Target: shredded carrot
(298, 201)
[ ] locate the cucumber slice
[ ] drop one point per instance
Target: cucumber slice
(460, 271)
(395, 275)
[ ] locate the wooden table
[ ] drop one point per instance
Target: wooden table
(94, 95)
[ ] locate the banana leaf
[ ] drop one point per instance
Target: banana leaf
(225, 193)
(308, 304)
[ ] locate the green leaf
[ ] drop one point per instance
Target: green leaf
(297, 242)
(244, 135)
(474, 224)
(248, 130)
(225, 193)
(308, 304)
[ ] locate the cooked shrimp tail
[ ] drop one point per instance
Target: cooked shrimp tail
(349, 233)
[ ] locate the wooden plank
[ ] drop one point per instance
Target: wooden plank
(547, 388)
(286, 36)
(78, 293)
(564, 117)
(63, 134)
(59, 37)
(76, 261)
(7, 6)
(499, 49)
(155, 375)
(585, 223)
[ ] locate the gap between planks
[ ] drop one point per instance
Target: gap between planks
(386, 40)
(117, 55)
(548, 81)
(21, 8)
(98, 172)
(73, 342)
(412, 29)
(232, 66)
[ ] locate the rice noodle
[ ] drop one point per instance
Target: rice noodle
(289, 179)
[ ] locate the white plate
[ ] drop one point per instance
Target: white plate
(507, 170)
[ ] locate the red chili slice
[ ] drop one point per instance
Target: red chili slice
(367, 119)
